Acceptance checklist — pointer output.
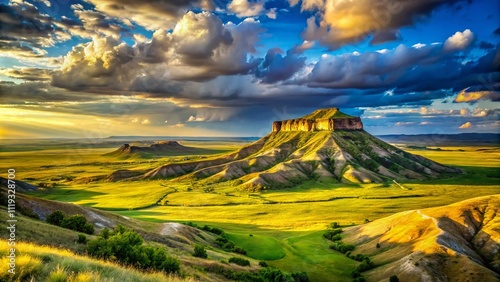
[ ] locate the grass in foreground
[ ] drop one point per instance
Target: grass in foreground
(52, 264)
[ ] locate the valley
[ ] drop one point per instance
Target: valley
(286, 224)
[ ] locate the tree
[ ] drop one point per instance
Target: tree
(56, 218)
(199, 251)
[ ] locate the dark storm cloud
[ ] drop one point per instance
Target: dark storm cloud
(406, 69)
(37, 93)
(277, 67)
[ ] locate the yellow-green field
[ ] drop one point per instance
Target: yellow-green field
(285, 224)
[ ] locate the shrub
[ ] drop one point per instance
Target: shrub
(342, 247)
(125, 245)
(239, 250)
(300, 277)
(228, 247)
(82, 239)
(239, 261)
(78, 223)
(263, 264)
(393, 278)
(56, 218)
(220, 241)
(199, 251)
(214, 230)
(329, 234)
(365, 265)
(105, 233)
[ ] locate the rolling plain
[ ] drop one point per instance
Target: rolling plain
(282, 227)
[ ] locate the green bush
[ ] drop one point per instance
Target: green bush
(239, 261)
(213, 230)
(78, 223)
(329, 234)
(239, 250)
(56, 218)
(300, 277)
(199, 251)
(263, 264)
(365, 265)
(268, 274)
(125, 246)
(342, 247)
(105, 233)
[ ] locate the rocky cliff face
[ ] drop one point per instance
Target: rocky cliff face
(322, 124)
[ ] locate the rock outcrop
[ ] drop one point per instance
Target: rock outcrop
(321, 120)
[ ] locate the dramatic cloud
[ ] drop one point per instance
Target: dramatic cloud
(199, 47)
(277, 67)
(92, 23)
(151, 14)
(25, 32)
(100, 63)
(459, 41)
(139, 64)
(404, 69)
(342, 22)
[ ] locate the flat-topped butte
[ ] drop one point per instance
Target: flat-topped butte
(320, 120)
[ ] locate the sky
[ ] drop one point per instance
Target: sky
(99, 68)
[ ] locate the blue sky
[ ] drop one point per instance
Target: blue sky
(229, 68)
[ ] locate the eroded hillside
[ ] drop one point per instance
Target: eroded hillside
(459, 242)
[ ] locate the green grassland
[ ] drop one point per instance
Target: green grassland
(285, 224)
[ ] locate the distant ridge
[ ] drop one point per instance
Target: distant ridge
(163, 148)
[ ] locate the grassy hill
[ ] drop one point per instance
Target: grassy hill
(459, 242)
(36, 262)
(286, 159)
